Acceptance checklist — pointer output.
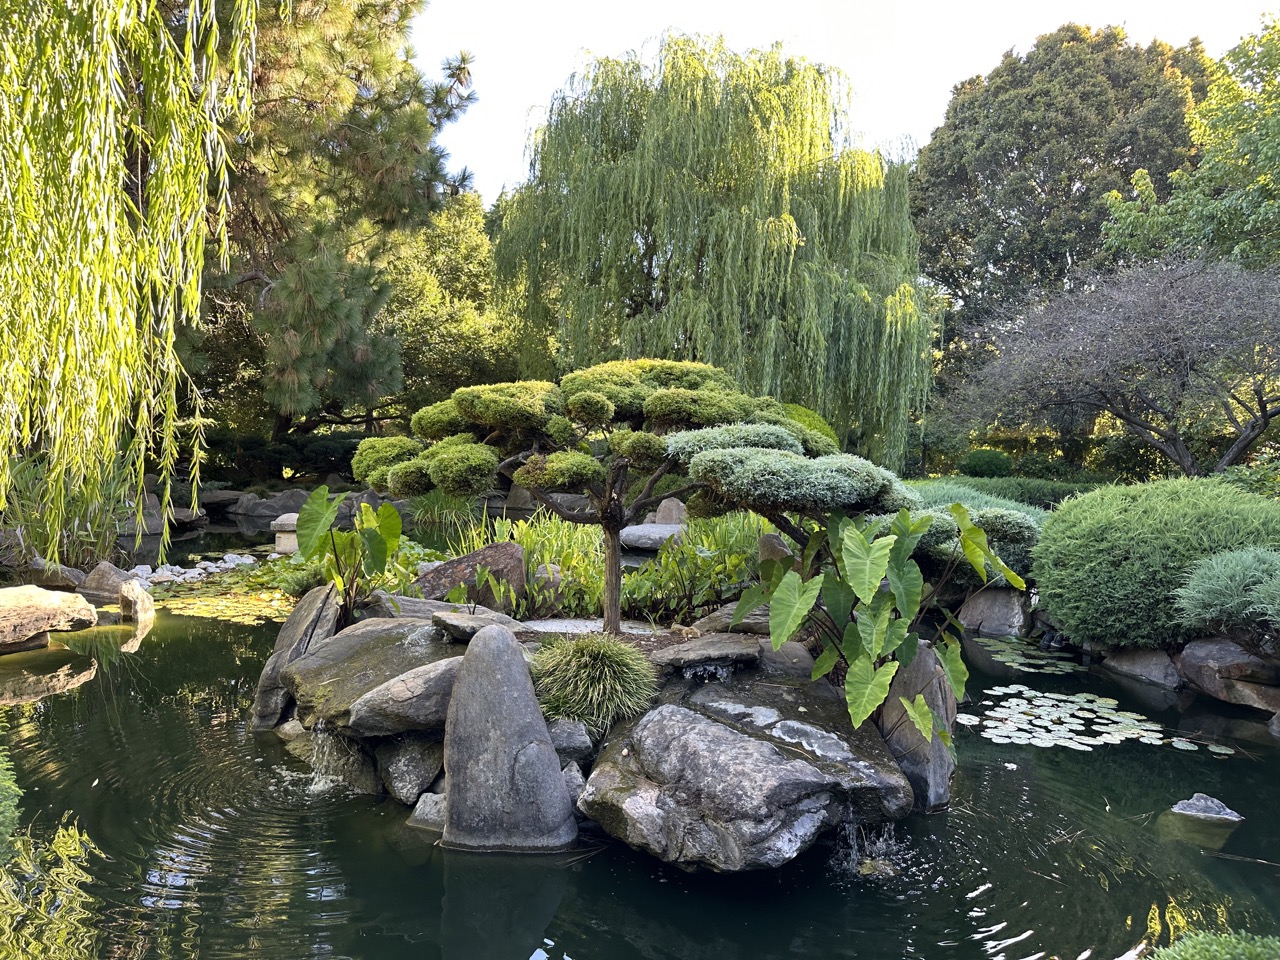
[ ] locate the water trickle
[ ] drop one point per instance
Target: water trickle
(708, 672)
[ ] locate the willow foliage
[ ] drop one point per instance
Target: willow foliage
(710, 208)
(109, 153)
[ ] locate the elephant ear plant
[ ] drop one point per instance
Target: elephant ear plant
(355, 561)
(864, 598)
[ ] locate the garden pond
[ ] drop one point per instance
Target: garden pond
(197, 838)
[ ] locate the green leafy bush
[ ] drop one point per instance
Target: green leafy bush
(1234, 593)
(628, 383)
(698, 408)
(438, 421)
(775, 479)
(410, 479)
(687, 443)
(463, 469)
(941, 493)
(1045, 494)
(376, 452)
(1261, 475)
(985, 462)
(596, 679)
(1220, 946)
(523, 405)
(810, 419)
(646, 451)
(297, 580)
(566, 470)
(590, 408)
(1109, 563)
(378, 477)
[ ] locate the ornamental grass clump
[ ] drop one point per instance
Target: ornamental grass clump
(595, 678)
(1109, 563)
(1235, 593)
(1220, 946)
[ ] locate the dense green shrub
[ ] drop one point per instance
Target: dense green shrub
(463, 469)
(943, 493)
(1234, 593)
(646, 451)
(1261, 475)
(628, 383)
(985, 462)
(523, 405)
(1109, 563)
(775, 479)
(377, 477)
(596, 679)
(438, 421)
(297, 580)
(685, 444)
(1045, 494)
(811, 420)
(698, 408)
(1220, 946)
(566, 470)
(410, 479)
(375, 452)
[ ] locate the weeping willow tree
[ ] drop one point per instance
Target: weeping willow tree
(109, 155)
(710, 208)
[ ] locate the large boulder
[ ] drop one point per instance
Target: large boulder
(314, 620)
(251, 505)
(460, 627)
(505, 788)
(1146, 666)
(928, 764)
(417, 700)
(1226, 671)
(27, 614)
(505, 561)
(332, 676)
(55, 576)
(742, 774)
(102, 586)
(996, 612)
(719, 621)
(650, 536)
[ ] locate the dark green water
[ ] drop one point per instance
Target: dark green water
(213, 844)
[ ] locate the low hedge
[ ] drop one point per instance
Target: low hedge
(943, 493)
(1109, 563)
(1045, 494)
(985, 462)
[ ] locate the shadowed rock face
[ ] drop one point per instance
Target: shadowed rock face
(505, 788)
(742, 774)
(504, 560)
(929, 765)
(313, 621)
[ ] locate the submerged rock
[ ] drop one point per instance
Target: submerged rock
(1225, 671)
(929, 765)
(1204, 807)
(505, 788)
(430, 812)
(1147, 666)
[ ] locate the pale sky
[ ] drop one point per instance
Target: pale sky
(902, 59)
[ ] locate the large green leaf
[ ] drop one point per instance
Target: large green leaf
(391, 526)
(866, 687)
(895, 635)
(953, 665)
(314, 520)
(791, 603)
(973, 541)
(920, 714)
(851, 643)
(753, 598)
(873, 624)
(907, 650)
(907, 583)
(908, 534)
(838, 598)
(865, 562)
(823, 665)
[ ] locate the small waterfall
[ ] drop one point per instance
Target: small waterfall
(708, 672)
(327, 755)
(865, 850)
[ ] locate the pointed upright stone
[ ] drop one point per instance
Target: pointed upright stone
(506, 791)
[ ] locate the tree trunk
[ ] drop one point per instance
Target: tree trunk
(612, 582)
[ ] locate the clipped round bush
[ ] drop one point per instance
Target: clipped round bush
(687, 443)
(1228, 593)
(678, 407)
(596, 679)
(375, 452)
(646, 451)
(378, 477)
(438, 421)
(810, 420)
(523, 405)
(985, 462)
(463, 469)
(566, 470)
(628, 383)
(411, 478)
(590, 408)
(1220, 946)
(1109, 563)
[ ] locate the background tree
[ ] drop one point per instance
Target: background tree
(1011, 193)
(1172, 351)
(110, 150)
(340, 155)
(1229, 206)
(708, 207)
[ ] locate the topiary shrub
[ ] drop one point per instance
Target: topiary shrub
(628, 383)
(523, 405)
(1109, 563)
(687, 443)
(375, 452)
(677, 407)
(985, 462)
(1045, 494)
(463, 469)
(595, 679)
(1234, 593)
(1220, 946)
(942, 493)
(810, 420)
(410, 479)
(438, 421)
(565, 470)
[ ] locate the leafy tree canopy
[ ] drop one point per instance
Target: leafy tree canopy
(1011, 193)
(1169, 350)
(1229, 206)
(708, 207)
(339, 157)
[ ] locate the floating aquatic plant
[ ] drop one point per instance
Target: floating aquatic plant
(1080, 721)
(1025, 657)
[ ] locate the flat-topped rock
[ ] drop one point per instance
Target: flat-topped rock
(415, 701)
(461, 627)
(102, 586)
(650, 536)
(1145, 666)
(331, 676)
(286, 522)
(28, 613)
(757, 621)
(726, 650)
(1204, 807)
(385, 604)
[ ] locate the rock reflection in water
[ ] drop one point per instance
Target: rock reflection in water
(497, 906)
(26, 678)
